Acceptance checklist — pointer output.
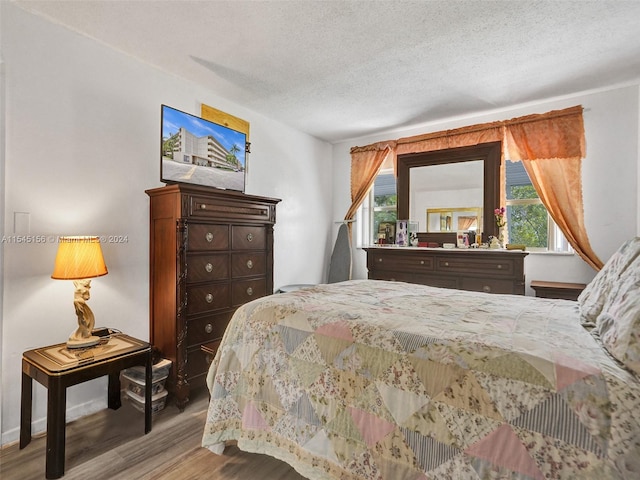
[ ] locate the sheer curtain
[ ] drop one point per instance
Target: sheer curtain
(551, 148)
(550, 145)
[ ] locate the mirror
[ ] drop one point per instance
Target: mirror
(453, 219)
(450, 186)
(455, 178)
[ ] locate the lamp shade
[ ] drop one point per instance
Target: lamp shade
(77, 258)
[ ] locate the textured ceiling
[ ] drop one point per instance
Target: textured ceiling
(342, 69)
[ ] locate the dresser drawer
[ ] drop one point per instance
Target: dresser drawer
(198, 362)
(440, 281)
(481, 266)
(392, 261)
(248, 264)
(207, 329)
(490, 285)
(227, 209)
(247, 290)
(245, 237)
(208, 237)
(207, 268)
(391, 276)
(443, 281)
(207, 297)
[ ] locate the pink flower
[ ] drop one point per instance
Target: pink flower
(498, 213)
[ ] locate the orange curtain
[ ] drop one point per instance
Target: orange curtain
(550, 145)
(365, 164)
(459, 137)
(551, 148)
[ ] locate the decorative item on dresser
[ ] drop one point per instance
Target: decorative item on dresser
(211, 251)
(491, 271)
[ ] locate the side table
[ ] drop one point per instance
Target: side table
(561, 290)
(56, 367)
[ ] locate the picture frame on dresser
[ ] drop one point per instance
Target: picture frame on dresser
(462, 240)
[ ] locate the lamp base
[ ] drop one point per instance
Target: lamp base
(83, 342)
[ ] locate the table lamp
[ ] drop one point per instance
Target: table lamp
(79, 259)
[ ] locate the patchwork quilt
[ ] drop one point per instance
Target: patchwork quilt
(393, 381)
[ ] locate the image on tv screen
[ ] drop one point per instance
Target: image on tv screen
(195, 150)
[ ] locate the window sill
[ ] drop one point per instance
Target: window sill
(531, 252)
(547, 252)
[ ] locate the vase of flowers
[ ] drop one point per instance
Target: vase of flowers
(501, 223)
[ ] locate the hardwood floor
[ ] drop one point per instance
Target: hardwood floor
(111, 444)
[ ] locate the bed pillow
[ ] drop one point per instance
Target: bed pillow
(618, 324)
(605, 284)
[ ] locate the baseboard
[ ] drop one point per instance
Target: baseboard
(39, 425)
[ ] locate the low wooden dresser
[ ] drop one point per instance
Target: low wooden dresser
(211, 251)
(483, 270)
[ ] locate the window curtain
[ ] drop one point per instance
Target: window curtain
(550, 145)
(459, 137)
(551, 148)
(365, 165)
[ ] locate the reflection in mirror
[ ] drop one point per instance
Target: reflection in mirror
(475, 168)
(444, 187)
(453, 219)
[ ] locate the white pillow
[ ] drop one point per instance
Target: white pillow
(606, 283)
(619, 321)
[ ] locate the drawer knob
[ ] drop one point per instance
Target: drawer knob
(249, 264)
(446, 264)
(208, 328)
(208, 297)
(208, 267)
(499, 267)
(379, 260)
(203, 206)
(250, 237)
(486, 289)
(209, 237)
(421, 262)
(249, 291)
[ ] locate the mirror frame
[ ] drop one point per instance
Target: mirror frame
(490, 153)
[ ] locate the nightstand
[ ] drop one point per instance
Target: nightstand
(562, 290)
(56, 367)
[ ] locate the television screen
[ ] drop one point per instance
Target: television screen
(195, 150)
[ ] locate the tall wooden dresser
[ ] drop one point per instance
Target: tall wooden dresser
(211, 251)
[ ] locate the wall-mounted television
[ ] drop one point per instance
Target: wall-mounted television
(195, 150)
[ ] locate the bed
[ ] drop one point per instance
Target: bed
(384, 380)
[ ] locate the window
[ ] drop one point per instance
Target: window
(378, 209)
(528, 221)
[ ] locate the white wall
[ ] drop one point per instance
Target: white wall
(82, 145)
(609, 176)
(2, 155)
